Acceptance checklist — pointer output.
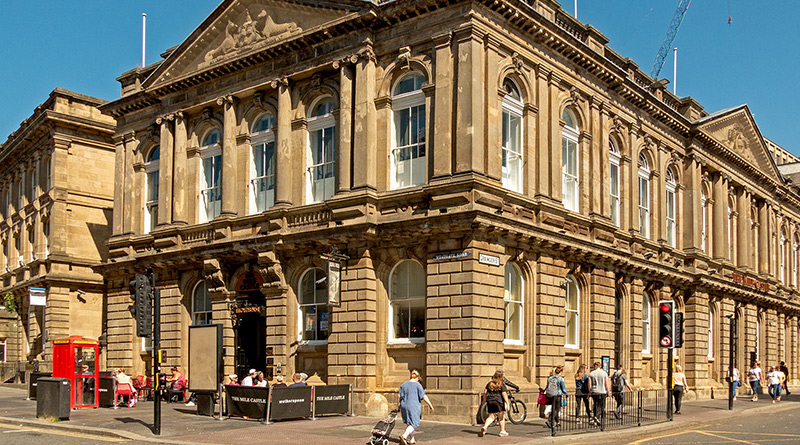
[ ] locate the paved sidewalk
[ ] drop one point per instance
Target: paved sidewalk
(181, 424)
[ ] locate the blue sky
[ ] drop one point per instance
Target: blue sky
(84, 45)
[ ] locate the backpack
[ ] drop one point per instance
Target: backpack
(552, 387)
(617, 384)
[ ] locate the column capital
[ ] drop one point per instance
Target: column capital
(443, 39)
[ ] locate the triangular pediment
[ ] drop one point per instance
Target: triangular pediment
(736, 130)
(239, 28)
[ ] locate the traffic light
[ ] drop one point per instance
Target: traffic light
(142, 309)
(678, 329)
(666, 324)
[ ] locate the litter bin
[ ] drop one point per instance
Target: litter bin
(205, 404)
(52, 399)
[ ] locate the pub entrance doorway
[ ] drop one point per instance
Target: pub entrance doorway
(249, 314)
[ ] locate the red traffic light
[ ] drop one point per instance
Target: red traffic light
(664, 307)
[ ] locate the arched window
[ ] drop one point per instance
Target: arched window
(618, 313)
(211, 176)
(408, 165)
(34, 177)
(201, 304)
(646, 331)
(262, 165)
(644, 196)
(758, 334)
(407, 292)
(573, 299)
(512, 137)
(711, 318)
(312, 314)
(321, 174)
(569, 161)
(151, 190)
(671, 208)
(704, 218)
(613, 178)
(731, 230)
(514, 304)
(795, 258)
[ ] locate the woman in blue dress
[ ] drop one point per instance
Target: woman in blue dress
(411, 396)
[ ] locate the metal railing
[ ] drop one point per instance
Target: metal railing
(620, 410)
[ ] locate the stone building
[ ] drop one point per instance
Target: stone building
(510, 192)
(56, 187)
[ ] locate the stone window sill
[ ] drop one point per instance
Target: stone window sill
(405, 346)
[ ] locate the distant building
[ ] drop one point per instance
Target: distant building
(509, 190)
(56, 189)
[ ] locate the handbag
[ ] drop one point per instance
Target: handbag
(542, 398)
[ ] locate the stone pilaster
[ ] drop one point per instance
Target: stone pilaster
(165, 170)
(365, 134)
(132, 212)
(794, 359)
(494, 118)
(442, 136)
(283, 154)
(554, 127)
(551, 316)
(180, 180)
(720, 218)
(763, 238)
(344, 160)
(695, 347)
(743, 241)
(119, 185)
(543, 149)
(470, 153)
(352, 344)
(229, 149)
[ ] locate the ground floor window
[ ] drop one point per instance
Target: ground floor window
(313, 315)
(3, 351)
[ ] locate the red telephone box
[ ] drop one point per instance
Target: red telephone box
(75, 358)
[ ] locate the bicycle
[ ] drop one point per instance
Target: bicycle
(517, 411)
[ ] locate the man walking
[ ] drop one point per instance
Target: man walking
(785, 372)
(599, 388)
(619, 381)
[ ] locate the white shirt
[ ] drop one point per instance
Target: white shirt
(754, 374)
(262, 383)
(774, 378)
(248, 381)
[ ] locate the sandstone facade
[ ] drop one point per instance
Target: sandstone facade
(57, 180)
(510, 193)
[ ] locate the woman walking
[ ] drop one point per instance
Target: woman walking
(733, 375)
(582, 391)
(495, 395)
(775, 383)
(679, 387)
(556, 386)
(411, 396)
(754, 378)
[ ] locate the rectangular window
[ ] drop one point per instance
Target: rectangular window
(614, 188)
(408, 154)
(569, 159)
(512, 151)
(646, 325)
(263, 177)
(644, 206)
(3, 351)
(572, 314)
(670, 217)
(33, 185)
(710, 332)
(211, 188)
(46, 184)
(321, 169)
(151, 201)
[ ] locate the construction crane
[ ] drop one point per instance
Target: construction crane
(677, 19)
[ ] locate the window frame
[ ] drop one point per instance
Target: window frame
(647, 325)
(212, 152)
(300, 306)
(520, 302)
(704, 220)
(711, 318)
(615, 159)
(570, 135)
(152, 166)
(644, 196)
(4, 344)
(795, 258)
(194, 312)
(323, 125)
(263, 138)
(414, 103)
(393, 338)
(782, 259)
(671, 209)
(571, 280)
(512, 109)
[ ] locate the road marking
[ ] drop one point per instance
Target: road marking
(679, 433)
(706, 433)
(756, 434)
(21, 429)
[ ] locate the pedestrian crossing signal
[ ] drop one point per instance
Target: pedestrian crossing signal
(666, 324)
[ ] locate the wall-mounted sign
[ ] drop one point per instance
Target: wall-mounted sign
(750, 282)
(334, 281)
(451, 256)
(249, 281)
(38, 296)
(489, 259)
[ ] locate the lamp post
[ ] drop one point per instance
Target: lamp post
(731, 358)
